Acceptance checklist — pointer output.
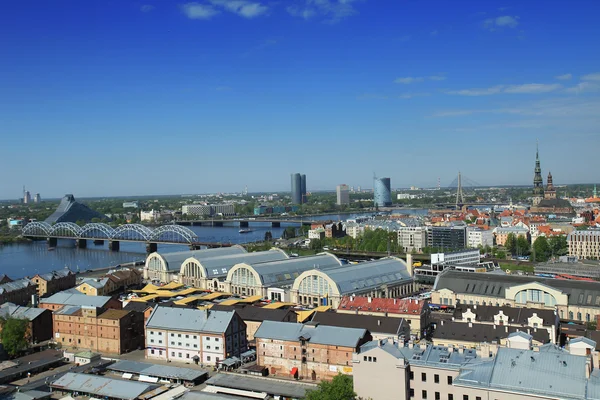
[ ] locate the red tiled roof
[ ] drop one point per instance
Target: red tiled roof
(391, 306)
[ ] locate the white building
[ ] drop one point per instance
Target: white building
(343, 194)
(584, 244)
(208, 210)
(464, 257)
(412, 238)
(192, 335)
(318, 233)
(479, 237)
(151, 215)
(354, 230)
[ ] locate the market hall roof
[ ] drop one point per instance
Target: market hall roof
(172, 261)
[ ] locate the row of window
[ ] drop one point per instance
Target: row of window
(438, 396)
(436, 377)
(207, 338)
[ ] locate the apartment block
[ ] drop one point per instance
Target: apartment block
(191, 335)
(477, 237)
(412, 238)
(311, 352)
(584, 244)
(98, 329)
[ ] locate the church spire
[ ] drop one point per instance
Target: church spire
(538, 182)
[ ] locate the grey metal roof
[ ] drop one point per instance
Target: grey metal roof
(485, 333)
(159, 371)
(12, 310)
(273, 387)
(321, 334)
(219, 266)
(284, 272)
(351, 278)
(101, 386)
(95, 283)
(553, 372)
(582, 293)
(437, 356)
(189, 319)
(174, 259)
(28, 395)
(76, 299)
(15, 285)
(195, 395)
(55, 274)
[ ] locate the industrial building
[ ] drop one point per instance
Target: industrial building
(165, 267)
(39, 320)
(208, 273)
(99, 386)
(53, 282)
(386, 277)
(61, 299)
(274, 279)
(20, 292)
(382, 192)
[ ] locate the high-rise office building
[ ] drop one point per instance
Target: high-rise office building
(37, 198)
(296, 188)
(382, 192)
(27, 197)
(303, 187)
(343, 194)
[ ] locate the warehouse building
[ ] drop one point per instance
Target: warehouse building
(208, 273)
(387, 277)
(274, 279)
(165, 267)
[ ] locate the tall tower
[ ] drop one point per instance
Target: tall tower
(550, 192)
(296, 189)
(303, 188)
(460, 198)
(382, 193)
(538, 182)
(595, 193)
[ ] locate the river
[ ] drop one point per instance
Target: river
(19, 260)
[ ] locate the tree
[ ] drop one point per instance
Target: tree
(14, 335)
(523, 247)
(289, 232)
(541, 249)
(316, 244)
(268, 236)
(511, 243)
(340, 388)
(558, 245)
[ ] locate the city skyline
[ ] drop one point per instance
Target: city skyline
(132, 99)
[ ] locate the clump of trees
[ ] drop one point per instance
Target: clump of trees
(14, 335)
(340, 388)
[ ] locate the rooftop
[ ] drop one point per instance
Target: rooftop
(159, 371)
(14, 311)
(219, 266)
(101, 386)
(76, 299)
(384, 305)
(374, 324)
(515, 315)
(188, 319)
(253, 313)
(114, 314)
(484, 333)
(321, 334)
(15, 285)
(271, 386)
(174, 259)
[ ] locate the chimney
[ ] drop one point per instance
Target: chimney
(409, 264)
(394, 301)
(378, 322)
(369, 299)
(506, 329)
(442, 322)
(470, 324)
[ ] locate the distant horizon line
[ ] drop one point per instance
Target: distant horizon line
(284, 191)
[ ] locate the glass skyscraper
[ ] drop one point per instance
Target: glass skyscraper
(298, 188)
(382, 192)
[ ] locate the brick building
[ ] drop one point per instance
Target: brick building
(53, 282)
(40, 320)
(18, 292)
(98, 329)
(313, 352)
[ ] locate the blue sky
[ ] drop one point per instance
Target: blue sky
(159, 97)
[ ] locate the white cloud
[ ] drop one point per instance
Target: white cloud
(591, 77)
(532, 88)
(564, 77)
(333, 10)
(408, 80)
(243, 8)
(198, 11)
(528, 88)
(584, 87)
(478, 91)
(147, 8)
(505, 21)
(437, 78)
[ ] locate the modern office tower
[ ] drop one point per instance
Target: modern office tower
(27, 197)
(303, 187)
(343, 194)
(296, 188)
(382, 192)
(37, 198)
